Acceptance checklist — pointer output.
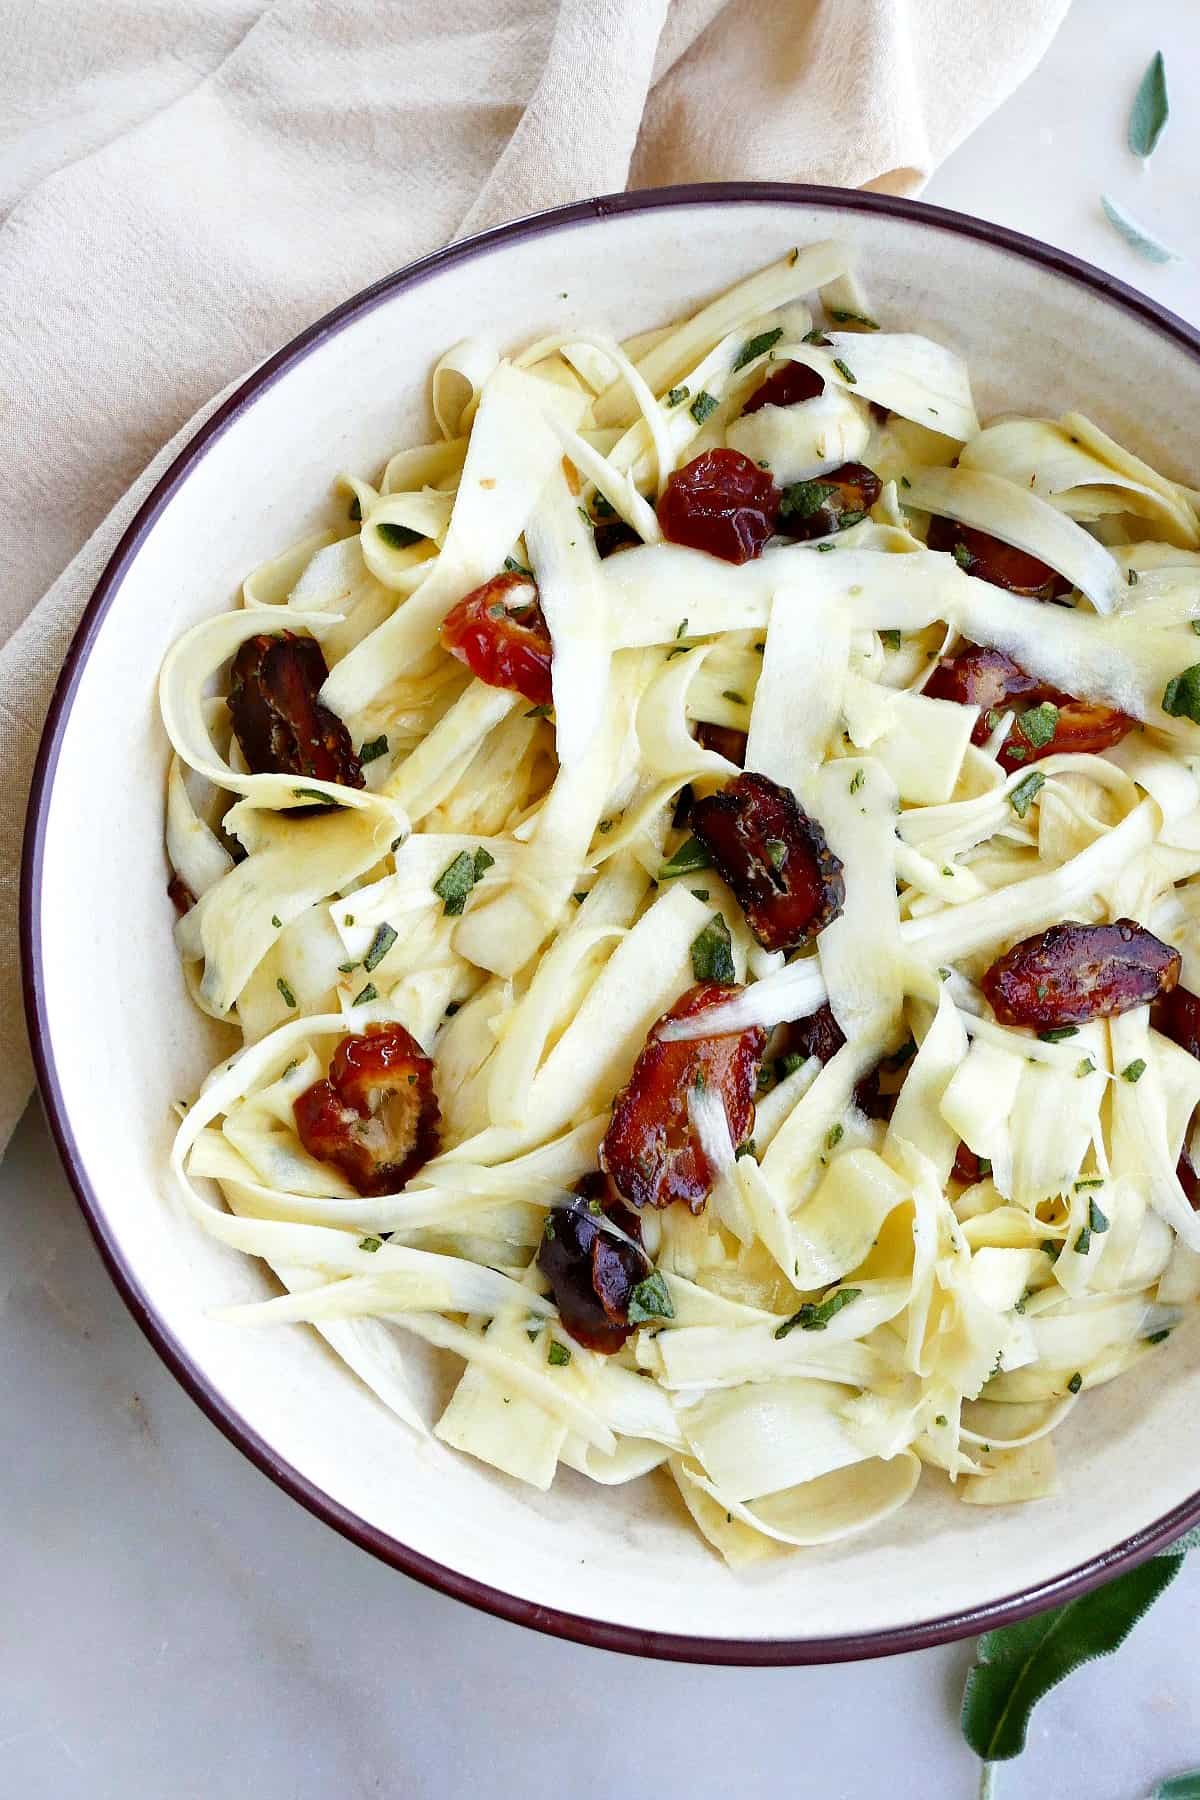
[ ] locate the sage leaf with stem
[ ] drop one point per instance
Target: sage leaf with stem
(1017, 1665)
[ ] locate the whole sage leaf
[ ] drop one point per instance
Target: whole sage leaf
(1018, 1665)
(1151, 109)
(1179, 1787)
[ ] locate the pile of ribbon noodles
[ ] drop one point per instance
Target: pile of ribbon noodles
(851, 1212)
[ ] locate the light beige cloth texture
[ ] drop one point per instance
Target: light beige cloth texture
(185, 186)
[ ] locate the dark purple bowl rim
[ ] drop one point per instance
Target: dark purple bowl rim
(599, 1633)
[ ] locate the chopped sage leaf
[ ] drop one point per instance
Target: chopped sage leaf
(857, 779)
(559, 1356)
(1134, 234)
(1057, 1033)
(1159, 1337)
(1133, 1071)
(539, 712)
(690, 855)
(962, 556)
(834, 1136)
(712, 952)
(1021, 797)
(677, 396)
(276, 921)
(398, 537)
(289, 999)
(777, 851)
(371, 751)
(459, 877)
(1097, 1221)
(370, 992)
(650, 1299)
(815, 1315)
(1083, 1242)
(804, 499)
(381, 943)
(890, 640)
(702, 406)
(841, 316)
(1181, 696)
(844, 370)
(371, 1243)
(313, 794)
(1075, 1383)
(1039, 724)
(513, 567)
(756, 346)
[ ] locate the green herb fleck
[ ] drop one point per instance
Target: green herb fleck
(1131, 577)
(702, 406)
(1181, 696)
(513, 567)
(559, 1356)
(1039, 724)
(700, 893)
(370, 992)
(757, 346)
(1075, 1383)
(962, 556)
(289, 999)
(677, 396)
(1021, 797)
(371, 1243)
(857, 779)
(371, 751)
(746, 1149)
(398, 537)
(1133, 1071)
(381, 943)
(1097, 1221)
(890, 640)
(681, 629)
(1083, 1242)
(276, 921)
(845, 371)
(841, 316)
(1055, 1034)
(834, 1136)
(539, 712)
(905, 482)
(313, 794)
(815, 1315)
(691, 855)
(804, 499)
(459, 877)
(712, 952)
(650, 1299)
(826, 546)
(1159, 1337)
(941, 1419)
(777, 850)
(347, 968)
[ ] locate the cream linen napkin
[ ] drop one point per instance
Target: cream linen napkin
(183, 188)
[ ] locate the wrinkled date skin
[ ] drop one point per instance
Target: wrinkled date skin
(500, 632)
(787, 880)
(828, 503)
(612, 535)
(985, 557)
(650, 1150)
(720, 502)
(1073, 973)
(725, 740)
(592, 1271)
(820, 1035)
(376, 1116)
(787, 385)
(1177, 1016)
(987, 678)
(277, 719)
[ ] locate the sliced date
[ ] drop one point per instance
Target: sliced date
(277, 718)
(591, 1254)
(1075, 972)
(989, 559)
(375, 1116)
(725, 740)
(788, 385)
(787, 880)
(985, 677)
(500, 632)
(650, 1150)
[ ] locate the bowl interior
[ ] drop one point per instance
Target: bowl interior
(123, 1041)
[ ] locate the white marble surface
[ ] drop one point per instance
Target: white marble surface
(173, 1625)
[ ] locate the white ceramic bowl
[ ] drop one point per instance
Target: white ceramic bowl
(116, 1039)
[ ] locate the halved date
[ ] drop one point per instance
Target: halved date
(277, 719)
(788, 385)
(1047, 723)
(650, 1151)
(827, 503)
(591, 1267)
(787, 880)
(501, 633)
(720, 502)
(1075, 972)
(988, 558)
(375, 1116)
